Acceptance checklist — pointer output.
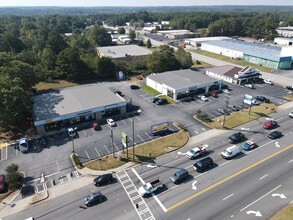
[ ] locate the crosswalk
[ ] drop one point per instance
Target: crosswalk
(3, 153)
(138, 202)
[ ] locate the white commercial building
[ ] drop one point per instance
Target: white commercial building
(285, 31)
(283, 41)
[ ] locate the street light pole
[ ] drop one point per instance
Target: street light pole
(133, 158)
(112, 142)
(227, 102)
(72, 139)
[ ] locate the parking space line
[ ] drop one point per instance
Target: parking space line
(68, 176)
(140, 138)
(97, 152)
(84, 133)
(116, 147)
(107, 149)
(124, 121)
(87, 155)
(137, 118)
(149, 136)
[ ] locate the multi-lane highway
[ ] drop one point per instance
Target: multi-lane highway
(253, 185)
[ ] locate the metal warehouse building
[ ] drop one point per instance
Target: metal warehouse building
(75, 105)
(181, 83)
(264, 55)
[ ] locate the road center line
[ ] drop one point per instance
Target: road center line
(260, 198)
(290, 161)
(227, 179)
(264, 176)
(228, 196)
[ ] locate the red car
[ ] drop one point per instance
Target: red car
(214, 94)
(95, 125)
(269, 124)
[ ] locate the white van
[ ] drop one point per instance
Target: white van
(231, 152)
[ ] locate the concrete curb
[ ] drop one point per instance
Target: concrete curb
(39, 197)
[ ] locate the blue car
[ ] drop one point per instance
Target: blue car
(248, 145)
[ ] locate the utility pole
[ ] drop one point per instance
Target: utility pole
(72, 139)
(227, 102)
(112, 142)
(133, 157)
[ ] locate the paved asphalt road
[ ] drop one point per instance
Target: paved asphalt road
(236, 188)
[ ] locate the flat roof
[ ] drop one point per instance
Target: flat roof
(253, 49)
(179, 79)
(121, 51)
(205, 39)
(72, 100)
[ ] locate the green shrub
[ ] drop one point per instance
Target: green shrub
(76, 160)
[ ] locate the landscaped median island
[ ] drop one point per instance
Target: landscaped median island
(238, 118)
(143, 152)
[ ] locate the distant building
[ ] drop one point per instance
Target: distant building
(196, 42)
(176, 34)
(283, 41)
(165, 22)
(285, 31)
(233, 74)
(122, 51)
(264, 55)
(68, 34)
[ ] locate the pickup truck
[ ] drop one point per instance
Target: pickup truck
(150, 187)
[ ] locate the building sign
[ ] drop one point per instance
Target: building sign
(248, 99)
(124, 139)
(164, 126)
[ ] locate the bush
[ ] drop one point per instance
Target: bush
(76, 160)
(14, 178)
(203, 117)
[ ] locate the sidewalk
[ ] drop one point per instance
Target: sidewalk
(12, 207)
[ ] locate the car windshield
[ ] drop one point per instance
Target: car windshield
(227, 152)
(192, 151)
(147, 188)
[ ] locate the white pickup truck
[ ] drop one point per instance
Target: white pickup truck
(150, 187)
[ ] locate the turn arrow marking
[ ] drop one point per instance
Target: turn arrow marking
(282, 196)
(152, 165)
(277, 144)
(257, 214)
(180, 153)
(193, 185)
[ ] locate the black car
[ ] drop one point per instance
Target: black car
(262, 99)
(235, 138)
(203, 164)
(119, 93)
(275, 135)
(134, 87)
(103, 179)
(161, 101)
(93, 198)
(155, 99)
(289, 88)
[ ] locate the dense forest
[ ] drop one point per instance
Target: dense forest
(34, 47)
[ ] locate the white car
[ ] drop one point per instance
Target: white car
(268, 81)
(203, 98)
(111, 122)
(226, 91)
(23, 145)
(249, 86)
(291, 114)
(197, 151)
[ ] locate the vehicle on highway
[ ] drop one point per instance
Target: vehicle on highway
(93, 198)
(203, 164)
(291, 114)
(150, 187)
(23, 145)
(196, 152)
(268, 81)
(269, 124)
(179, 176)
(103, 179)
(226, 91)
(233, 107)
(2, 183)
(203, 98)
(249, 86)
(249, 145)
(262, 99)
(111, 122)
(161, 101)
(134, 86)
(236, 137)
(275, 134)
(231, 152)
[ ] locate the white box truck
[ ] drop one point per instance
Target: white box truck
(231, 152)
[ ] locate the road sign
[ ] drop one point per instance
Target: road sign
(248, 99)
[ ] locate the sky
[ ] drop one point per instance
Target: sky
(90, 3)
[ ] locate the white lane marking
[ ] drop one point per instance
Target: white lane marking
(137, 117)
(228, 196)
(107, 149)
(290, 161)
(97, 152)
(196, 132)
(84, 133)
(116, 147)
(138, 176)
(159, 202)
(180, 153)
(260, 198)
(282, 196)
(87, 155)
(148, 135)
(257, 213)
(140, 138)
(203, 129)
(124, 121)
(264, 176)
(193, 185)
(245, 129)
(277, 144)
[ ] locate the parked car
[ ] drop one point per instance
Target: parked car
(43, 141)
(255, 102)
(269, 124)
(2, 183)
(179, 175)
(23, 145)
(103, 179)
(236, 137)
(249, 145)
(233, 107)
(214, 94)
(289, 88)
(111, 122)
(203, 164)
(275, 135)
(268, 81)
(95, 125)
(134, 87)
(262, 99)
(226, 91)
(291, 114)
(231, 152)
(222, 111)
(249, 86)
(93, 198)
(203, 98)
(196, 152)
(72, 132)
(161, 101)
(155, 99)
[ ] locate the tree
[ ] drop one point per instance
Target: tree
(13, 177)
(106, 69)
(184, 58)
(149, 43)
(121, 30)
(98, 36)
(132, 35)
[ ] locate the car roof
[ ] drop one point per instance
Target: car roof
(97, 193)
